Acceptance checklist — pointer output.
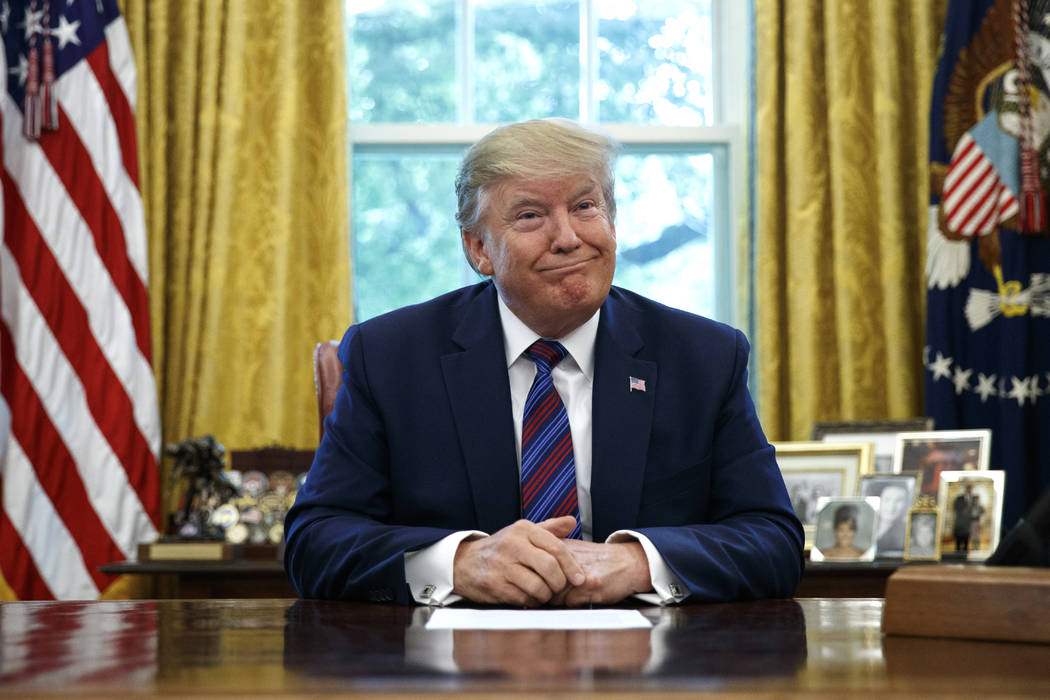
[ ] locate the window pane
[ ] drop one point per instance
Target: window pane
(664, 228)
(527, 60)
(655, 62)
(406, 244)
(402, 67)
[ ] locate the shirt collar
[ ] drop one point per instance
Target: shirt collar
(517, 337)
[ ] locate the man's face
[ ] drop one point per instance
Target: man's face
(550, 248)
(893, 502)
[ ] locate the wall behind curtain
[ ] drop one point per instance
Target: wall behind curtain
(242, 127)
(842, 107)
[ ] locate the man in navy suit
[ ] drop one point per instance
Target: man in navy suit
(415, 491)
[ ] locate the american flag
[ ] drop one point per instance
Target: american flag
(977, 194)
(78, 473)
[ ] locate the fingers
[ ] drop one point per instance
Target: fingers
(614, 572)
(544, 538)
(578, 597)
(484, 573)
(535, 589)
(559, 527)
(522, 564)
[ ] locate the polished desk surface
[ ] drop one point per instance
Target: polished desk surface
(286, 647)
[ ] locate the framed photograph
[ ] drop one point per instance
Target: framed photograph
(881, 433)
(896, 493)
(846, 529)
(972, 502)
(922, 541)
(813, 470)
(936, 451)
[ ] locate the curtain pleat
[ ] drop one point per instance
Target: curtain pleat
(842, 104)
(242, 127)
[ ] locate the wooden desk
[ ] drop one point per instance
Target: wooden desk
(285, 647)
(243, 578)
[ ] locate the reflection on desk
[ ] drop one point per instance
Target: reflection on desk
(727, 640)
(290, 647)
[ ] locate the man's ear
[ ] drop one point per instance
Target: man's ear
(474, 246)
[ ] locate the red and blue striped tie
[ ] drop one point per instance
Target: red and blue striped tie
(548, 469)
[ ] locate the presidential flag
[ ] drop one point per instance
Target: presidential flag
(987, 353)
(78, 472)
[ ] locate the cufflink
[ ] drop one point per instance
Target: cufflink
(428, 590)
(676, 590)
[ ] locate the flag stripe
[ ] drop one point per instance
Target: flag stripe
(981, 174)
(59, 305)
(961, 168)
(1007, 204)
(122, 59)
(19, 568)
(55, 469)
(119, 108)
(62, 394)
(992, 213)
(51, 546)
(978, 206)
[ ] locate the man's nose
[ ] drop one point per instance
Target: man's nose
(563, 232)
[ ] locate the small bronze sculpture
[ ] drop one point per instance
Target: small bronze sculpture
(201, 461)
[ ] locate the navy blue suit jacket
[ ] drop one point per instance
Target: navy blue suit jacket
(421, 444)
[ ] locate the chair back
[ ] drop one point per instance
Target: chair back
(328, 377)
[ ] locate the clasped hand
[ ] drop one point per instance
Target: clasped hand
(532, 564)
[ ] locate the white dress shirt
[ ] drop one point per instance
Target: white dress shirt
(428, 571)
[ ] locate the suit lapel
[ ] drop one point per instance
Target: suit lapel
(622, 421)
(479, 393)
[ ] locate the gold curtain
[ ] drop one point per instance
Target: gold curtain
(242, 128)
(842, 110)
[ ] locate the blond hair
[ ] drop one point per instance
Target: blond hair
(538, 149)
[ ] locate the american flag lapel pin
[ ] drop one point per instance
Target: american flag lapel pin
(635, 384)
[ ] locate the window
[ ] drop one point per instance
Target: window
(667, 78)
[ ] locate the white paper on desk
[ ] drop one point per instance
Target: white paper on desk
(470, 619)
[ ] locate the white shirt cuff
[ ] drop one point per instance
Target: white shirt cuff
(667, 588)
(429, 571)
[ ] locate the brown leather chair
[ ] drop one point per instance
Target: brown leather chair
(328, 377)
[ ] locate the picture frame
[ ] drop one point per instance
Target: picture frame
(812, 470)
(922, 540)
(881, 433)
(984, 512)
(845, 529)
(934, 451)
(897, 494)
